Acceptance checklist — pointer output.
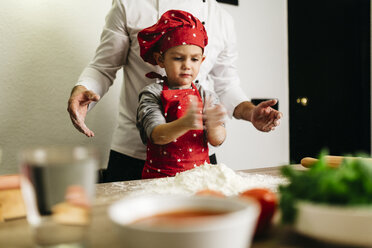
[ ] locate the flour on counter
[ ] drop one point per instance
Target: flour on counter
(214, 177)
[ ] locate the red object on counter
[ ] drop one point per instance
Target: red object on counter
(268, 202)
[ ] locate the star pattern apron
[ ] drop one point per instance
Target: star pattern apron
(187, 151)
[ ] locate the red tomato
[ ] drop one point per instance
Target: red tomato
(268, 202)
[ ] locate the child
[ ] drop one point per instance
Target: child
(170, 113)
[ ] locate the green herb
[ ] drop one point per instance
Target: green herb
(350, 184)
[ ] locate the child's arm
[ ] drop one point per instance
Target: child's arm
(168, 132)
(216, 136)
(214, 122)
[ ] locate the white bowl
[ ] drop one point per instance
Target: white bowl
(335, 224)
(233, 229)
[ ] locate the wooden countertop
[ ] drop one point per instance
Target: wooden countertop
(17, 234)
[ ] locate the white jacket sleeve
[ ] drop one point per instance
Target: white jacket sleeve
(110, 55)
(224, 73)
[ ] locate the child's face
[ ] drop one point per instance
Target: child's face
(182, 64)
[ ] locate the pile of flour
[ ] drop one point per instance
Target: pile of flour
(214, 177)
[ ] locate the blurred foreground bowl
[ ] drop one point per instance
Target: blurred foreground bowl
(346, 225)
(234, 227)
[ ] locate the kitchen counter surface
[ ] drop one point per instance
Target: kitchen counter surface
(17, 234)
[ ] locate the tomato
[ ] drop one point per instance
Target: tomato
(268, 202)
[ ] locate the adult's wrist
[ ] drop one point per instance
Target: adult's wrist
(244, 111)
(78, 88)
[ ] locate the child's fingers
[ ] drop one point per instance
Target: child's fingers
(193, 102)
(216, 115)
(194, 113)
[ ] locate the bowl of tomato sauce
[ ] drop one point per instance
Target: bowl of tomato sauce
(160, 221)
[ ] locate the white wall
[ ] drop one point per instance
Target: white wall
(45, 44)
(263, 69)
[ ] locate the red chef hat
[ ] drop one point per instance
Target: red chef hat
(174, 28)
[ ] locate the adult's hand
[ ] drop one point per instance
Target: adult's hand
(78, 107)
(262, 116)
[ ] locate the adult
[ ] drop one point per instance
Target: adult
(119, 48)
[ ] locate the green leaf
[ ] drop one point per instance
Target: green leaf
(350, 184)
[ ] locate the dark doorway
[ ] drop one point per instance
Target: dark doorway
(234, 2)
(329, 77)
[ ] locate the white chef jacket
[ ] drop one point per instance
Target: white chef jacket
(119, 48)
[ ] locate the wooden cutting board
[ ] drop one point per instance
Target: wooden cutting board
(11, 201)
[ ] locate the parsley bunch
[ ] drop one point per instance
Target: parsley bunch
(348, 185)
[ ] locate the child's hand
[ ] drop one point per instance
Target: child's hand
(193, 117)
(214, 115)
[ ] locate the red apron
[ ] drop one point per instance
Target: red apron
(184, 153)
